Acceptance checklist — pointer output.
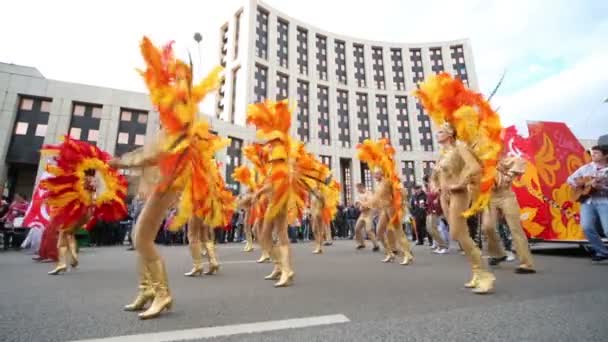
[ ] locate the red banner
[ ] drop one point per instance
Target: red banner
(37, 215)
(553, 153)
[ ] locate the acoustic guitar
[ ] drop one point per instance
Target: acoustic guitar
(585, 187)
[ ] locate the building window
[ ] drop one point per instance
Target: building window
(378, 67)
(343, 122)
(362, 117)
(458, 63)
(426, 136)
(260, 82)
(223, 44)
(261, 33)
(41, 130)
(75, 133)
(21, 128)
(321, 55)
(409, 174)
(403, 123)
(237, 32)
(382, 116)
(427, 167)
(235, 74)
(326, 160)
(221, 94)
(366, 177)
(282, 86)
(347, 180)
(359, 56)
(417, 69)
(29, 130)
(303, 129)
(436, 60)
(397, 67)
(283, 43)
(234, 160)
(340, 49)
(85, 118)
(131, 132)
(93, 135)
(323, 109)
(302, 51)
(26, 103)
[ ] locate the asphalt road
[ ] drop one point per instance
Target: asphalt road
(565, 301)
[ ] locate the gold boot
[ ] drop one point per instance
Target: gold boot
(408, 257)
(249, 244)
(146, 292)
(485, 284)
(471, 284)
(214, 266)
(61, 261)
(162, 296)
(73, 248)
(287, 273)
(264, 258)
(318, 249)
(276, 259)
(197, 260)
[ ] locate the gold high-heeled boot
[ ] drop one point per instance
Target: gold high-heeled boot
(485, 283)
(73, 249)
(318, 249)
(287, 273)
(249, 244)
(162, 296)
(408, 257)
(146, 291)
(61, 261)
(197, 260)
(474, 278)
(276, 259)
(214, 266)
(265, 257)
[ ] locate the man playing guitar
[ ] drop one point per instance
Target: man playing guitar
(591, 180)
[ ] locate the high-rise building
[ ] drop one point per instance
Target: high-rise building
(347, 89)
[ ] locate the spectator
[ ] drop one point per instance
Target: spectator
(16, 209)
(352, 214)
(135, 208)
(418, 208)
(306, 224)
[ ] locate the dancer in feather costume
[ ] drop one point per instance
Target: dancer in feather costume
(469, 135)
(182, 159)
(388, 198)
(324, 206)
(292, 174)
(258, 155)
(82, 188)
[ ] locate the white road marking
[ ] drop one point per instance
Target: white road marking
(227, 330)
(235, 262)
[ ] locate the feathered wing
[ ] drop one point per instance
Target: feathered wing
(66, 192)
(446, 99)
(186, 163)
(380, 154)
(331, 195)
(291, 171)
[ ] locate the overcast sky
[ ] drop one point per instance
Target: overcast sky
(555, 52)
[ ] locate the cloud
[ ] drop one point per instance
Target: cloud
(574, 96)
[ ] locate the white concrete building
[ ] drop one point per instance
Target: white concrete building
(347, 89)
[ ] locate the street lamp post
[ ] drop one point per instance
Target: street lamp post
(198, 38)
